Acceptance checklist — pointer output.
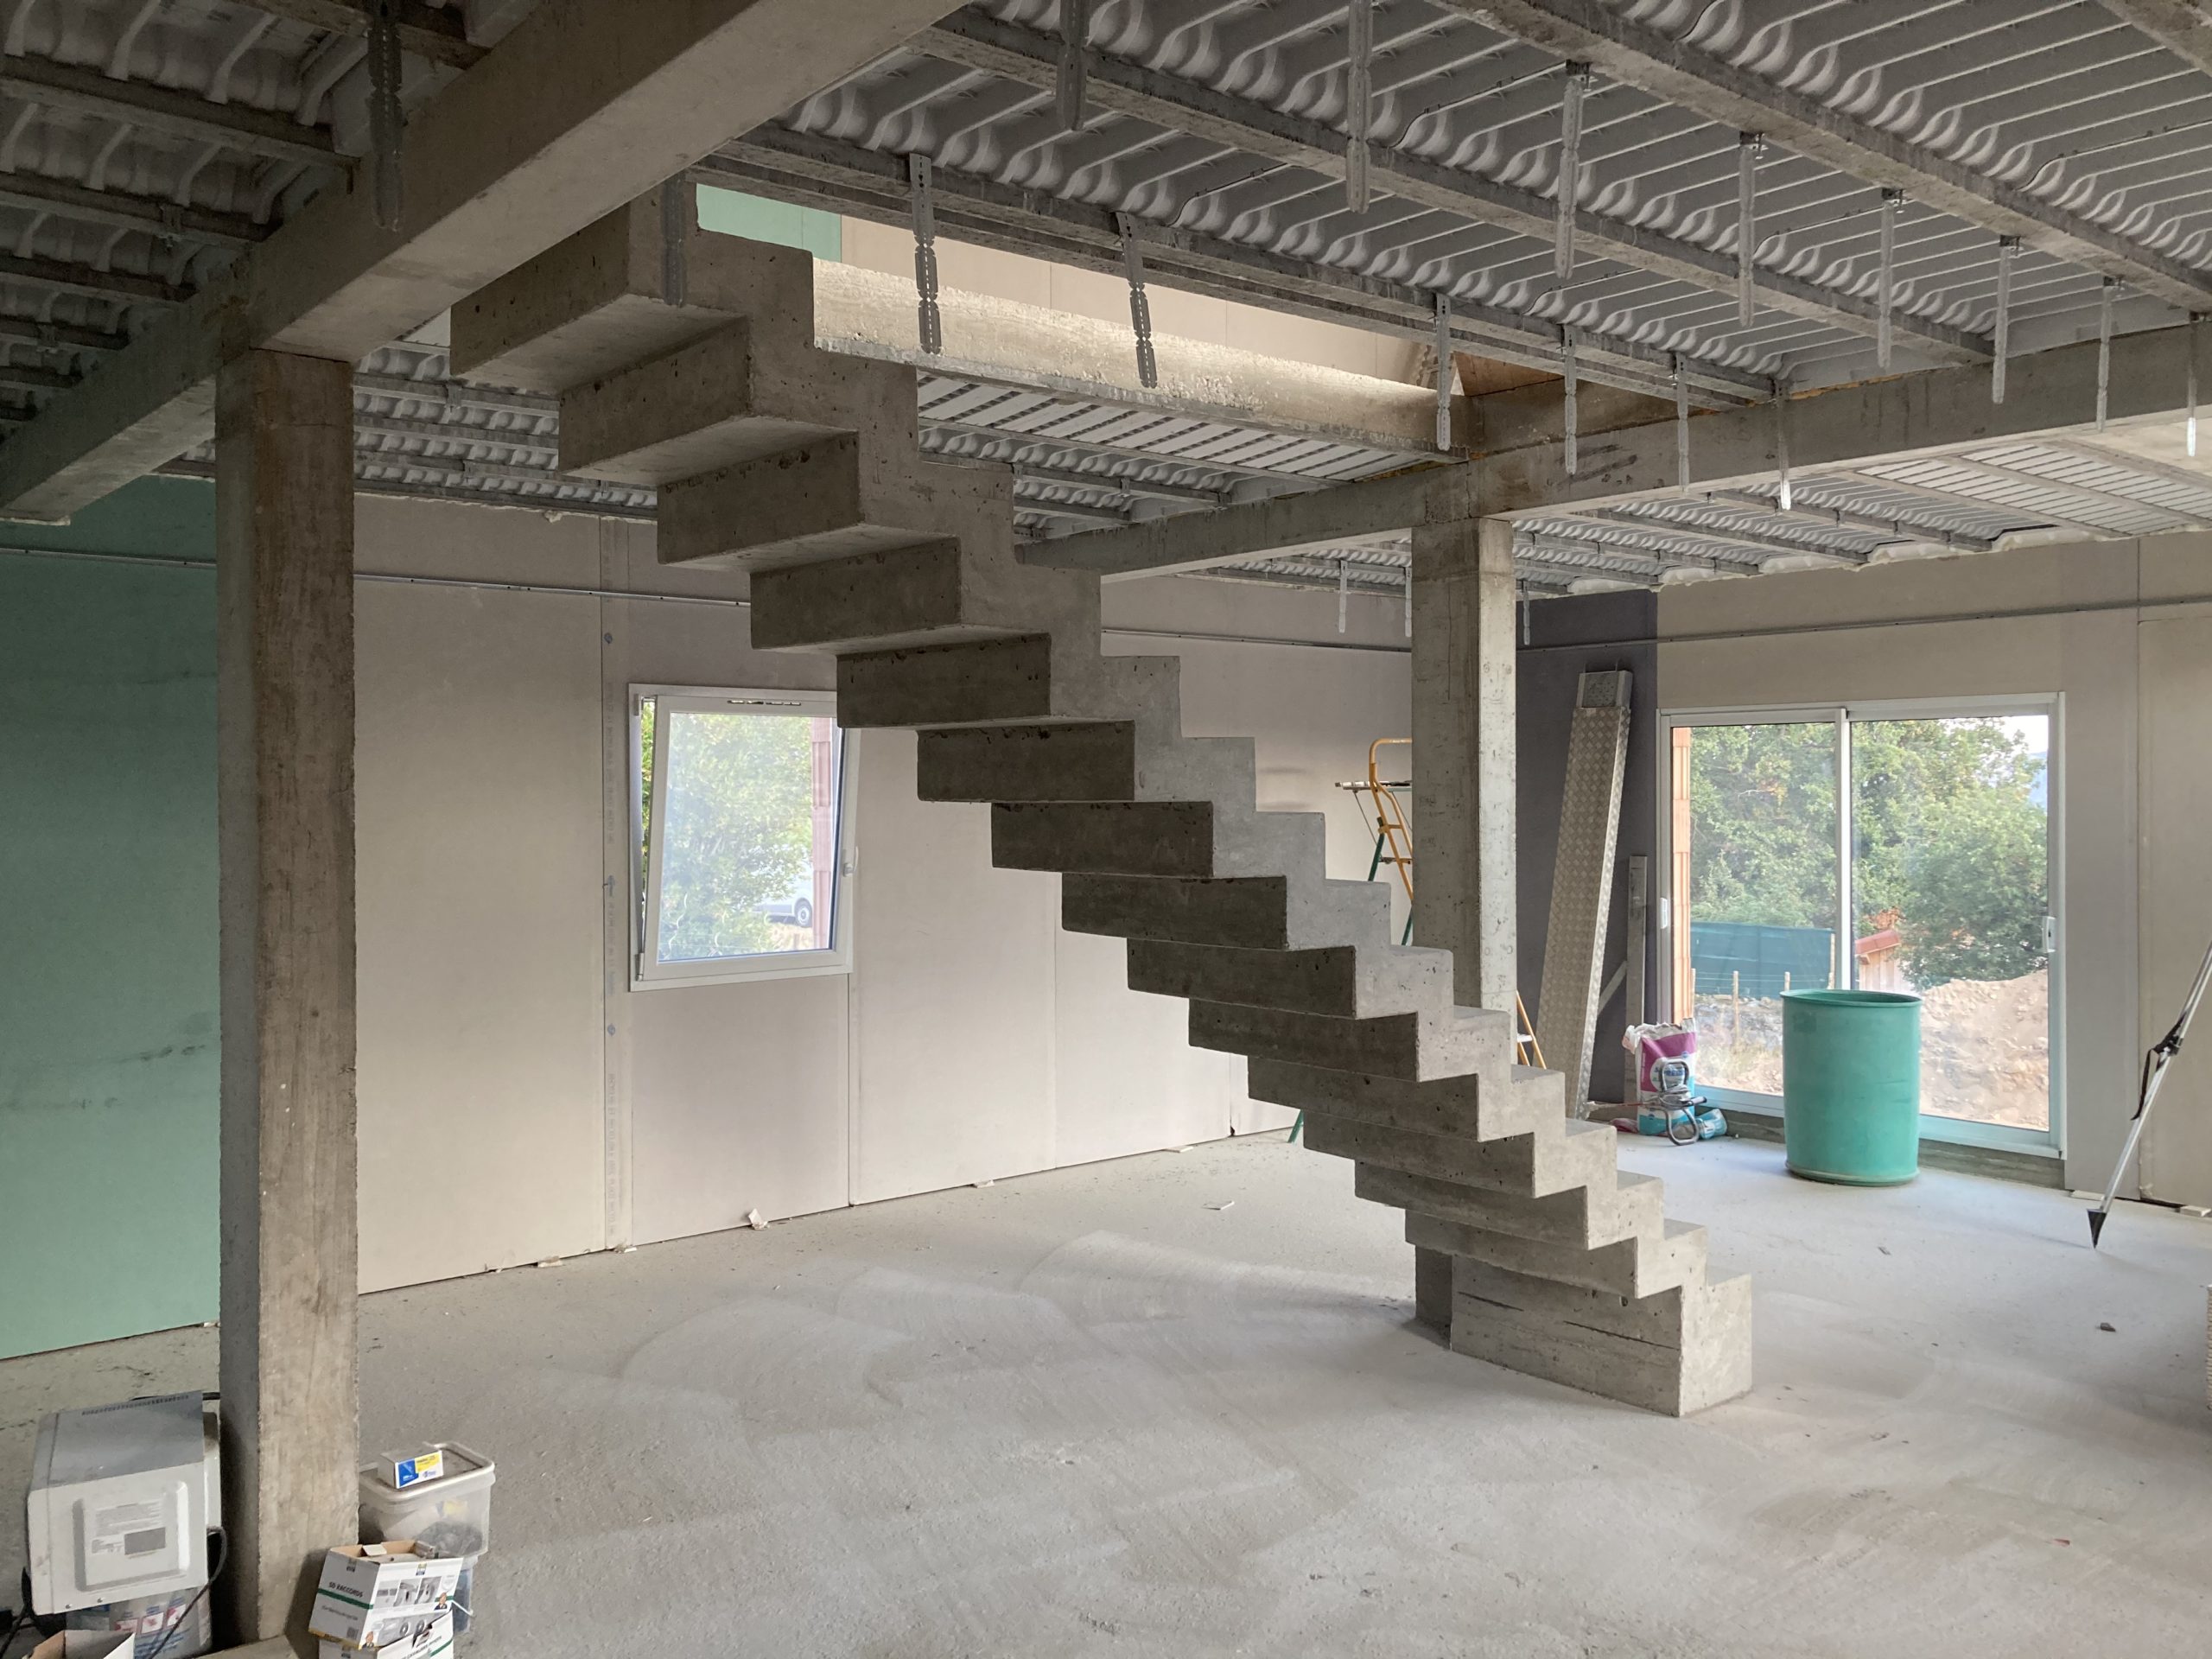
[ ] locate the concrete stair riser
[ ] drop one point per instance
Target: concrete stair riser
(1415, 1047)
(1476, 1106)
(1103, 837)
(1675, 1353)
(911, 596)
(1345, 982)
(1641, 1265)
(1564, 1156)
(1580, 1219)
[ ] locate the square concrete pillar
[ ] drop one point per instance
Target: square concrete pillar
(285, 674)
(1463, 729)
(1464, 783)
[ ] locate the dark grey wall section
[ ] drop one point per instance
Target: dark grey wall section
(1566, 639)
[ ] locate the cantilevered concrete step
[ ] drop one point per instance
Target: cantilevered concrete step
(1345, 982)
(914, 596)
(1025, 680)
(1674, 1352)
(1415, 1047)
(830, 497)
(628, 289)
(749, 390)
(1638, 1267)
(1110, 760)
(1581, 1218)
(1272, 913)
(1562, 1155)
(1484, 1105)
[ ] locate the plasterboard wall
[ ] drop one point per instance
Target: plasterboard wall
(2136, 703)
(973, 1040)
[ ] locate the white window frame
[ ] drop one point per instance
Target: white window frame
(647, 972)
(2049, 1142)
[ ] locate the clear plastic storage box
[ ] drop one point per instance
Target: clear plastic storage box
(451, 1515)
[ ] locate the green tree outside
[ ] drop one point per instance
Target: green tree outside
(739, 829)
(1949, 829)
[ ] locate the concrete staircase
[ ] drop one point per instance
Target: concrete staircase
(687, 362)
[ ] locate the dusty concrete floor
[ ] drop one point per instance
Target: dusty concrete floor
(1085, 1413)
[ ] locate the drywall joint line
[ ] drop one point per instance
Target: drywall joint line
(165, 561)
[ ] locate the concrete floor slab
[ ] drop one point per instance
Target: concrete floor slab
(1087, 1412)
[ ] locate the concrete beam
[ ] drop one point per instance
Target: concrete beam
(284, 673)
(1634, 53)
(586, 105)
(816, 171)
(1320, 520)
(2182, 26)
(2053, 391)
(1038, 348)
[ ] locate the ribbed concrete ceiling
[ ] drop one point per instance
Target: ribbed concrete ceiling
(142, 143)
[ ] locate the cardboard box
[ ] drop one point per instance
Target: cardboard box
(420, 1638)
(370, 1592)
(89, 1644)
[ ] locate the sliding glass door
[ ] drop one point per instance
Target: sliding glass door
(1888, 847)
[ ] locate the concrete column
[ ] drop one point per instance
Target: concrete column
(284, 659)
(1464, 785)
(1462, 754)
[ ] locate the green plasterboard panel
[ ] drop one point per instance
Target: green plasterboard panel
(109, 1068)
(734, 213)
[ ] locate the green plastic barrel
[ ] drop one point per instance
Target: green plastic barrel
(1851, 1086)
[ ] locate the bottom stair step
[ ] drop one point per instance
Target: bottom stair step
(1638, 1267)
(1678, 1352)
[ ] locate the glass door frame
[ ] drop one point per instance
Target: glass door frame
(1840, 716)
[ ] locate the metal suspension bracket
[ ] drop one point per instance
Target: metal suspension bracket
(1140, 307)
(1570, 167)
(1749, 148)
(1885, 283)
(2106, 294)
(387, 121)
(1571, 387)
(930, 321)
(1443, 373)
(2190, 435)
(1682, 426)
(2008, 248)
(1359, 99)
(1075, 42)
(1783, 495)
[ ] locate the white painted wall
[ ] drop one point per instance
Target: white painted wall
(2091, 623)
(519, 1101)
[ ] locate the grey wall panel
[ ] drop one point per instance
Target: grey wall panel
(479, 928)
(1568, 638)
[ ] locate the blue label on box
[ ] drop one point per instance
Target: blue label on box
(410, 1472)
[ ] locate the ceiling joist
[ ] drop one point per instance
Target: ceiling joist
(431, 32)
(1637, 55)
(979, 41)
(160, 109)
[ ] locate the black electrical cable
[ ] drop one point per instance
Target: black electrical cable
(214, 1572)
(15, 1629)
